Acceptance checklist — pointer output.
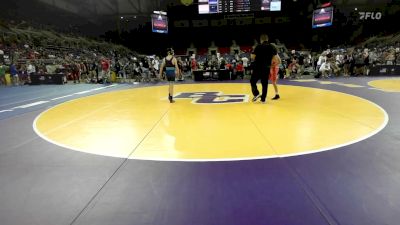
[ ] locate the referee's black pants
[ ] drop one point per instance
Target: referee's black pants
(255, 77)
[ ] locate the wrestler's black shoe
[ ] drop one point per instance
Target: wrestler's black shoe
(170, 99)
(276, 97)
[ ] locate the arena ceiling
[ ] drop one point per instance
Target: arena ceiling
(93, 8)
(94, 17)
(99, 9)
(145, 7)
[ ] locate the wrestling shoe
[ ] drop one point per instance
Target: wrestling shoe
(170, 99)
(276, 97)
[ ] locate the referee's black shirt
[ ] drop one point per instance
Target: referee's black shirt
(264, 53)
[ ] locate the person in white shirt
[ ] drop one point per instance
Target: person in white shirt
(30, 68)
(156, 64)
(323, 65)
(245, 61)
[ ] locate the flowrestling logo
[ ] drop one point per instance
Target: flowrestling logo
(213, 97)
(370, 15)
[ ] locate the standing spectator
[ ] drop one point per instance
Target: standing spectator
(180, 66)
(31, 70)
(105, 69)
(93, 75)
(346, 64)
(301, 63)
(352, 63)
(76, 72)
(193, 64)
(145, 66)
(84, 73)
(366, 62)
(315, 60)
(359, 64)
(229, 67)
(245, 61)
(124, 68)
(23, 75)
(14, 74)
(156, 64)
(321, 60)
(2, 74)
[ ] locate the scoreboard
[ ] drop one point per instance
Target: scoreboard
(237, 6)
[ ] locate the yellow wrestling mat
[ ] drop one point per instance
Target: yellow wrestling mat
(389, 85)
(210, 122)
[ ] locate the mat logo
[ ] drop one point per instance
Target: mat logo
(212, 97)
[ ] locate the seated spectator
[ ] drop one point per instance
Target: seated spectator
(294, 68)
(240, 70)
(325, 70)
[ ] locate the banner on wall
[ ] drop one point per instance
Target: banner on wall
(239, 21)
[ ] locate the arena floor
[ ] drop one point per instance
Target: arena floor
(327, 152)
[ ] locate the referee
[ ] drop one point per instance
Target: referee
(262, 57)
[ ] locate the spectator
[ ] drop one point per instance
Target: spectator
(301, 64)
(346, 64)
(240, 70)
(105, 70)
(294, 68)
(2, 74)
(14, 74)
(366, 62)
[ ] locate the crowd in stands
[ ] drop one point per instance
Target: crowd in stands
(26, 51)
(344, 60)
(356, 61)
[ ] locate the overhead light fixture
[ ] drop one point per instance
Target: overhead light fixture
(160, 12)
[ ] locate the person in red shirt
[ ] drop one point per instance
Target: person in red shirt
(75, 72)
(193, 65)
(105, 69)
(240, 70)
